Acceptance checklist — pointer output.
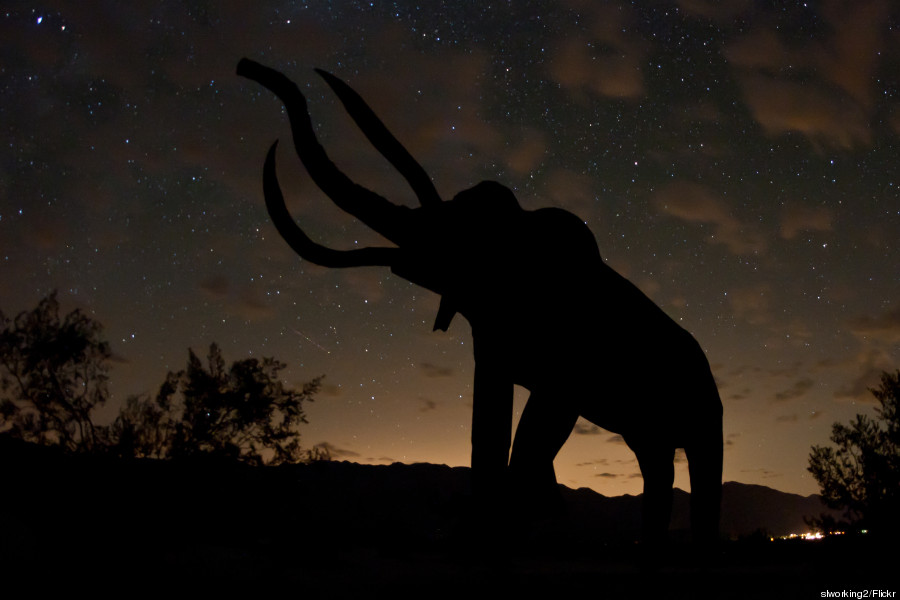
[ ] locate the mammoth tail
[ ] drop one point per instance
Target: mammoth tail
(704, 456)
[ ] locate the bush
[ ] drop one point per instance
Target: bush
(243, 412)
(53, 373)
(861, 475)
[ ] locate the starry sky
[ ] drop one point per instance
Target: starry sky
(737, 160)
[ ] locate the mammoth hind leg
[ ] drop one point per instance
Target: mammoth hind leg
(544, 427)
(658, 470)
(704, 456)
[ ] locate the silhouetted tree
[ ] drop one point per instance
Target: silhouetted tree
(53, 373)
(243, 412)
(144, 427)
(862, 474)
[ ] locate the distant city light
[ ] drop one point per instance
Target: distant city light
(810, 536)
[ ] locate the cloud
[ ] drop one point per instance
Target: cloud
(427, 405)
(715, 10)
(336, 452)
(331, 390)
(606, 59)
(525, 155)
(696, 203)
(605, 70)
(217, 285)
(798, 389)
(616, 439)
(894, 118)
(243, 302)
(47, 233)
(822, 86)
(752, 303)
(120, 359)
(251, 307)
(366, 283)
(796, 218)
(827, 119)
(867, 368)
(573, 191)
(433, 371)
(885, 327)
(742, 395)
(436, 113)
(583, 427)
(850, 57)
(764, 473)
(878, 337)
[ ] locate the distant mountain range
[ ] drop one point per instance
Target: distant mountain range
(418, 499)
(327, 497)
(340, 529)
(746, 509)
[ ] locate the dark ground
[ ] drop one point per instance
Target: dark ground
(342, 530)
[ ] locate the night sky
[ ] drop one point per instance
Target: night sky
(736, 160)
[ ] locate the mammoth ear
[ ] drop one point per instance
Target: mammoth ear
(445, 314)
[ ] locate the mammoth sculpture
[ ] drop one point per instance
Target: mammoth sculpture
(546, 313)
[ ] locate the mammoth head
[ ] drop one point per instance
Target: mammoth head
(439, 244)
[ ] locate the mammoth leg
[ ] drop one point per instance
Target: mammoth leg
(491, 429)
(544, 427)
(704, 456)
(656, 461)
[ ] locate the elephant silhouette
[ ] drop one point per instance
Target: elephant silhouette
(546, 313)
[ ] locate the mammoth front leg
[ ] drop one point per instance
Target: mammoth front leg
(657, 463)
(491, 433)
(543, 429)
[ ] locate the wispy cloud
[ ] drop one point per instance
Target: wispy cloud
(715, 10)
(826, 119)
(798, 389)
(336, 452)
(884, 327)
(434, 371)
(696, 203)
(605, 60)
(244, 301)
(583, 427)
(867, 369)
(752, 303)
(822, 87)
(763, 473)
(797, 218)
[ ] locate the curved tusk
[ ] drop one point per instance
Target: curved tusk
(367, 206)
(383, 140)
(301, 243)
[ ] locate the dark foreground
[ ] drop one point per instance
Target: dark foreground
(340, 530)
